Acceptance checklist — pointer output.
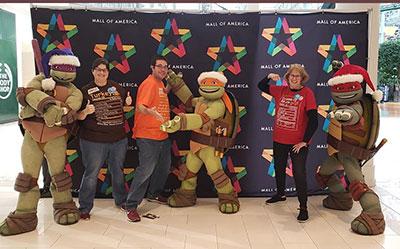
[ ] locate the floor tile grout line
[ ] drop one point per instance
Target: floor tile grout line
(333, 228)
(247, 232)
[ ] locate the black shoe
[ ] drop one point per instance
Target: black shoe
(275, 198)
(45, 192)
(303, 215)
(159, 199)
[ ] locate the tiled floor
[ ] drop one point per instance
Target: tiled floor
(202, 226)
(255, 226)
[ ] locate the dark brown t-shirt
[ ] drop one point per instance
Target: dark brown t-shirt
(106, 124)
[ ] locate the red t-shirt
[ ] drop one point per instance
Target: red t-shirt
(291, 113)
(151, 93)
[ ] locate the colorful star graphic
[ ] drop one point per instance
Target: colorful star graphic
(238, 53)
(268, 155)
(268, 33)
(337, 42)
(324, 110)
(45, 31)
(160, 35)
(271, 105)
(103, 51)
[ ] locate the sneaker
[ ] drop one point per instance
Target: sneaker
(159, 199)
(85, 216)
(133, 216)
(123, 207)
(303, 215)
(275, 198)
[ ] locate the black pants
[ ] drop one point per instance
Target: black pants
(46, 174)
(281, 152)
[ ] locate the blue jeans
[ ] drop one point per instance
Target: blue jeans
(94, 155)
(152, 171)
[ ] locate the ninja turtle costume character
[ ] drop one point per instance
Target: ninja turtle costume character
(213, 124)
(351, 142)
(49, 107)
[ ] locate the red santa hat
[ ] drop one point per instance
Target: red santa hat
(353, 73)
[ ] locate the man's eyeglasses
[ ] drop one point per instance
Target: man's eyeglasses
(104, 70)
(161, 66)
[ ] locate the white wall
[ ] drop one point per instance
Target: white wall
(25, 61)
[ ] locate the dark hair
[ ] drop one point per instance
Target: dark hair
(155, 58)
(99, 61)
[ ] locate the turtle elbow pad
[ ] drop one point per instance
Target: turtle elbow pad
(21, 95)
(45, 103)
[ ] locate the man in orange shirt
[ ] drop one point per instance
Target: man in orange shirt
(152, 109)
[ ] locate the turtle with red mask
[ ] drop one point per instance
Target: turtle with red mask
(49, 105)
(351, 142)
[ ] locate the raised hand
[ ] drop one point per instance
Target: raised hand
(89, 109)
(274, 76)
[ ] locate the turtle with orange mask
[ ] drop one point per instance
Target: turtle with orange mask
(213, 124)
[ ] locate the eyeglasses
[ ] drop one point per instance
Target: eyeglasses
(294, 76)
(161, 66)
(104, 70)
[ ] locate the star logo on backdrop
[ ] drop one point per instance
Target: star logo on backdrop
(104, 50)
(336, 44)
(324, 111)
(274, 48)
(237, 54)
(162, 34)
(267, 154)
(47, 32)
(271, 105)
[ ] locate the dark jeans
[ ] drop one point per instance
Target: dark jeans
(281, 152)
(152, 171)
(94, 155)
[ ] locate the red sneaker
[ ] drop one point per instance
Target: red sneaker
(85, 216)
(133, 216)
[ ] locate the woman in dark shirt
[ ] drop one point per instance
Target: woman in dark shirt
(295, 123)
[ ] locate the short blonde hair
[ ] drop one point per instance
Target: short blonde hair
(304, 75)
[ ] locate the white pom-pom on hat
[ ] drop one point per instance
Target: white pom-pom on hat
(48, 84)
(377, 95)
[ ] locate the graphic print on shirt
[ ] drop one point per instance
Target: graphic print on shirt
(288, 112)
(108, 105)
(163, 107)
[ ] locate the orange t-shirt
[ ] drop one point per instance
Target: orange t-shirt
(151, 93)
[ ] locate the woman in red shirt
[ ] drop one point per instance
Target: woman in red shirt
(295, 122)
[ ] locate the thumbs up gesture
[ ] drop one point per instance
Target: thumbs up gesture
(89, 109)
(128, 100)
